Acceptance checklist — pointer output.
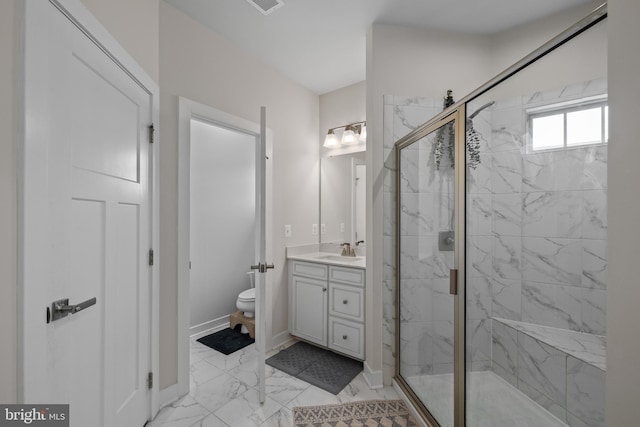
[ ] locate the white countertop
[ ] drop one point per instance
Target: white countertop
(330, 258)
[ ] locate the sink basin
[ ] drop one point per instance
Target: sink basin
(340, 258)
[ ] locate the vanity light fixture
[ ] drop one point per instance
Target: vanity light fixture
(331, 140)
(349, 136)
(353, 133)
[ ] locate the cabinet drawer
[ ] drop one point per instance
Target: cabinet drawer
(346, 301)
(309, 269)
(354, 276)
(346, 337)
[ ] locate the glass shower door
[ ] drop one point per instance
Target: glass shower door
(428, 357)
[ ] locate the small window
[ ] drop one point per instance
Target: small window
(581, 122)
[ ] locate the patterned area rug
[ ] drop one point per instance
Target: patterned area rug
(368, 413)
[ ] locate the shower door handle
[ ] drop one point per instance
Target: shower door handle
(453, 281)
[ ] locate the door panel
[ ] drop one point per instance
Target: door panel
(126, 294)
(114, 150)
(97, 216)
(427, 253)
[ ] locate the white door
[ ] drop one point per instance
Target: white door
(86, 227)
(261, 265)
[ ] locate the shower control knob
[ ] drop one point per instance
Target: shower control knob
(344, 337)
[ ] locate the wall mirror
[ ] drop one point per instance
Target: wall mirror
(342, 197)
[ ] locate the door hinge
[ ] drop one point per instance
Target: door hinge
(150, 380)
(151, 257)
(152, 129)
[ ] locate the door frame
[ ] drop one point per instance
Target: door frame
(32, 189)
(187, 110)
(456, 116)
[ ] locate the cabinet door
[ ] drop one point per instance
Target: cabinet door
(309, 309)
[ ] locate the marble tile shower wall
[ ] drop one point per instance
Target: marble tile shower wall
(536, 230)
(537, 223)
(401, 116)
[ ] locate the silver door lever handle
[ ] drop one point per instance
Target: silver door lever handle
(61, 308)
(262, 267)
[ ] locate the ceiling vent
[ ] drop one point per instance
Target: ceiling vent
(266, 6)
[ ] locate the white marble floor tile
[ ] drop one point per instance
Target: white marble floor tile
(223, 393)
(201, 372)
(313, 396)
(283, 388)
(183, 413)
(282, 418)
(219, 391)
(358, 389)
(210, 421)
(248, 372)
(246, 410)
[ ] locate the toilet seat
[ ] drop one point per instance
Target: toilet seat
(248, 295)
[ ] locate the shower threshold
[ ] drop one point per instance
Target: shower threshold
(491, 401)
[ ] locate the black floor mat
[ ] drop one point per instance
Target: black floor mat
(317, 366)
(227, 340)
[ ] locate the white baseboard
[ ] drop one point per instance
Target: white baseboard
(281, 340)
(168, 395)
(209, 327)
(373, 378)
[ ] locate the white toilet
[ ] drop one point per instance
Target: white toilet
(246, 303)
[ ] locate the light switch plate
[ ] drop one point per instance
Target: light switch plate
(323, 229)
(314, 229)
(287, 230)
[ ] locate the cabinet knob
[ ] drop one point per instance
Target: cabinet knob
(344, 301)
(324, 289)
(344, 337)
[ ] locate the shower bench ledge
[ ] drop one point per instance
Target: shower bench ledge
(589, 348)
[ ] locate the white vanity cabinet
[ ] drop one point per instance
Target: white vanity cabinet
(326, 306)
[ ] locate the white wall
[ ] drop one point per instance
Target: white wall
(135, 25)
(340, 107)
(510, 46)
(623, 316)
(199, 64)
(417, 63)
(8, 203)
(222, 221)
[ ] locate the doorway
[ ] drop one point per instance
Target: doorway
(195, 117)
(222, 216)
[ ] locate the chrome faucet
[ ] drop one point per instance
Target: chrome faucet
(346, 249)
(359, 241)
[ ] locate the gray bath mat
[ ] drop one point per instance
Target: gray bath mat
(317, 366)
